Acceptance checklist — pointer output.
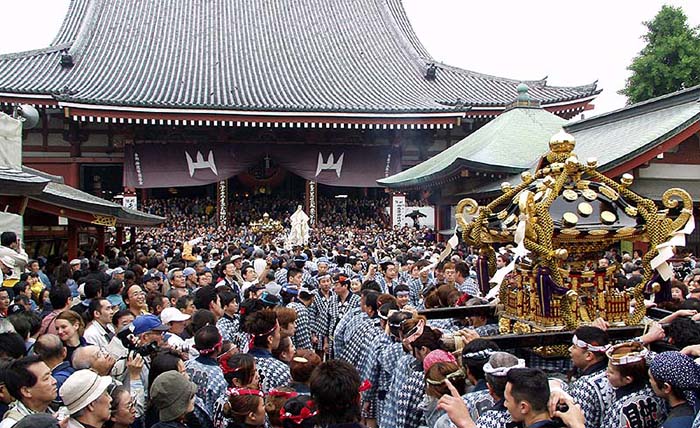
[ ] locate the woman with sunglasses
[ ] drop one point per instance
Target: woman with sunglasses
(123, 408)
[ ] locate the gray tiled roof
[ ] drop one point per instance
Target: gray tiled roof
(618, 136)
(282, 55)
(507, 144)
(20, 183)
(68, 197)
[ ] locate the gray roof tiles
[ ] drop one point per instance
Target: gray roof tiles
(283, 55)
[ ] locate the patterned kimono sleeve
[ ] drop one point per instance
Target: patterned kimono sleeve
(219, 420)
(226, 328)
(302, 336)
(370, 371)
(414, 286)
(410, 396)
(584, 394)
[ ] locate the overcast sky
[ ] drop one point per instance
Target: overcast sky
(574, 43)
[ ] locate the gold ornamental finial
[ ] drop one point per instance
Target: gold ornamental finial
(562, 142)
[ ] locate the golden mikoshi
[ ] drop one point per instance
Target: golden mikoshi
(565, 214)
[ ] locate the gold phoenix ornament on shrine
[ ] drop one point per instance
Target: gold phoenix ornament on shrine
(562, 218)
(266, 228)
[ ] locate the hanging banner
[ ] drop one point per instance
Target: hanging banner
(311, 202)
(398, 210)
(182, 164)
(222, 202)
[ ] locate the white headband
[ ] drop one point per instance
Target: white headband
(502, 371)
(585, 345)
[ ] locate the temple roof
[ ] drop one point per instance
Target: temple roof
(624, 139)
(20, 183)
(312, 56)
(508, 144)
(58, 194)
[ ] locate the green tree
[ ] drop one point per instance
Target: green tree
(669, 62)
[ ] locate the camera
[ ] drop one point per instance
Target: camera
(561, 407)
(130, 342)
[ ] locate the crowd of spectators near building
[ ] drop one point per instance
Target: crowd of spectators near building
(221, 332)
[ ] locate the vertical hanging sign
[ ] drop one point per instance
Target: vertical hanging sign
(311, 201)
(130, 201)
(222, 202)
(398, 209)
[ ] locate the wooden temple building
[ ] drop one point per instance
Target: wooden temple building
(657, 141)
(146, 94)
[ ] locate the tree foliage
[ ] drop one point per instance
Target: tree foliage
(669, 62)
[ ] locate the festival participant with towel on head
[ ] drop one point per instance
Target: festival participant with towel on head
(676, 378)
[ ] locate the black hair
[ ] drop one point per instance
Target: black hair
(59, 296)
(206, 339)
(475, 366)
(291, 272)
(249, 307)
(20, 377)
(92, 289)
(371, 285)
(245, 369)
(683, 331)
(294, 407)
(119, 314)
(164, 361)
(593, 336)
(335, 387)
(183, 301)
(7, 238)
(261, 324)
(201, 318)
(531, 386)
(204, 297)
(153, 300)
(371, 300)
(113, 286)
(227, 297)
(12, 345)
(21, 325)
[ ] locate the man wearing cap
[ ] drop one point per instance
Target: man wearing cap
(30, 382)
(85, 395)
(190, 276)
(215, 258)
(7, 264)
(100, 330)
(146, 329)
(177, 321)
(151, 283)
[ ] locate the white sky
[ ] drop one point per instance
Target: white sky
(574, 43)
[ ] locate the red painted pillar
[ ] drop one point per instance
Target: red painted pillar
(438, 222)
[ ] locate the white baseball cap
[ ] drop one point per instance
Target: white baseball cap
(172, 314)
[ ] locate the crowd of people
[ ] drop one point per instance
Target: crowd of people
(185, 212)
(224, 333)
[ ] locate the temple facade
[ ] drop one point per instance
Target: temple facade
(157, 94)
